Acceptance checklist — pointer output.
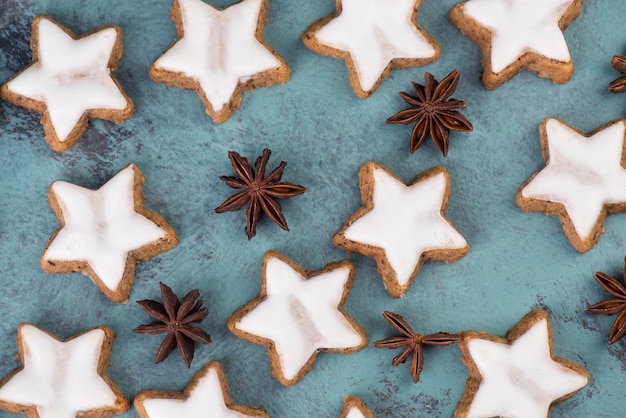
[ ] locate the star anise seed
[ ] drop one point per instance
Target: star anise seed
(412, 343)
(174, 318)
(612, 306)
(258, 192)
(619, 85)
(432, 113)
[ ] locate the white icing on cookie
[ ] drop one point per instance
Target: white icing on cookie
(219, 48)
(206, 399)
(301, 316)
(521, 26)
(101, 226)
(406, 221)
(60, 379)
(71, 76)
(355, 412)
(375, 32)
(583, 174)
(520, 380)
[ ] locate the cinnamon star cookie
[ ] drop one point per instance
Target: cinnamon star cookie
(354, 407)
(297, 314)
(62, 378)
(583, 181)
(105, 232)
(373, 37)
(205, 396)
(69, 80)
(519, 34)
(402, 226)
(517, 376)
(220, 54)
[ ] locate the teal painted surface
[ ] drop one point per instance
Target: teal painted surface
(517, 261)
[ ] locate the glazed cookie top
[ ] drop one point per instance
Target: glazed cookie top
(70, 75)
(374, 33)
(101, 227)
(61, 379)
(354, 407)
(300, 313)
(404, 221)
(219, 49)
(519, 26)
(206, 395)
(582, 173)
(521, 378)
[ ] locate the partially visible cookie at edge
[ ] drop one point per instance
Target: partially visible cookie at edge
(62, 377)
(220, 53)
(207, 394)
(583, 180)
(373, 37)
(518, 375)
(519, 34)
(354, 407)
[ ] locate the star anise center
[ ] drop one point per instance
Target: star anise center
(411, 343)
(432, 112)
(259, 192)
(173, 317)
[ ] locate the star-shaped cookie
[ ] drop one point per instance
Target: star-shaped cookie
(583, 181)
(516, 376)
(69, 80)
(205, 396)
(402, 226)
(373, 37)
(519, 34)
(299, 313)
(105, 232)
(220, 54)
(354, 407)
(62, 378)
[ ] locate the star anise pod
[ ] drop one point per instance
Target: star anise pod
(619, 85)
(612, 306)
(174, 318)
(432, 113)
(258, 192)
(412, 343)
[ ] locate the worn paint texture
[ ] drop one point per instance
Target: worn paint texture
(516, 262)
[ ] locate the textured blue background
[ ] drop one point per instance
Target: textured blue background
(516, 262)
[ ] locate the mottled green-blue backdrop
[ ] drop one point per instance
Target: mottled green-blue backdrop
(516, 262)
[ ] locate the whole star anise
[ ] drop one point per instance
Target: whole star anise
(432, 113)
(412, 343)
(258, 192)
(175, 317)
(612, 306)
(619, 85)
